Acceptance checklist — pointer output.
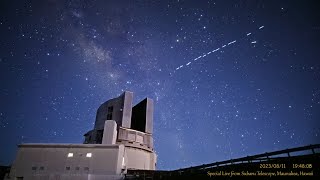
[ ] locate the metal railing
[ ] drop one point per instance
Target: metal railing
(139, 137)
(256, 158)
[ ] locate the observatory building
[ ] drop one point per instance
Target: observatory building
(121, 140)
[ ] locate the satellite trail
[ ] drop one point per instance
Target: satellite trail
(232, 42)
(215, 50)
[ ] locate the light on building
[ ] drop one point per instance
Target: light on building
(70, 154)
(89, 155)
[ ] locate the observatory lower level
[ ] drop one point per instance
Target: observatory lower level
(121, 140)
(77, 161)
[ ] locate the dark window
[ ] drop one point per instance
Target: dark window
(86, 168)
(68, 168)
(34, 168)
(41, 168)
(110, 108)
(77, 168)
(109, 113)
(99, 136)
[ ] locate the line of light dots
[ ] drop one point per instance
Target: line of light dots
(215, 50)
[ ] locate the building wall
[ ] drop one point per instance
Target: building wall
(127, 109)
(149, 116)
(141, 139)
(122, 106)
(140, 159)
(102, 112)
(52, 161)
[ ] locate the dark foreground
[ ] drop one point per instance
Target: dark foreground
(301, 162)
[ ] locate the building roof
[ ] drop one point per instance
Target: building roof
(57, 145)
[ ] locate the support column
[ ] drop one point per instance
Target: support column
(109, 132)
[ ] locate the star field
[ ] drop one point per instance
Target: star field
(228, 78)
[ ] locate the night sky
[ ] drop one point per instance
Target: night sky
(228, 78)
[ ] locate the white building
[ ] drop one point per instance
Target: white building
(121, 140)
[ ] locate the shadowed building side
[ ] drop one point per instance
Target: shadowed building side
(142, 118)
(118, 109)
